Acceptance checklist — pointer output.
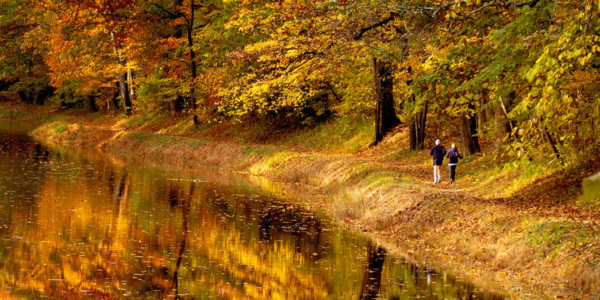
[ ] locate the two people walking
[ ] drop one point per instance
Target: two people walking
(439, 152)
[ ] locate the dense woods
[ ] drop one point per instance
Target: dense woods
(522, 74)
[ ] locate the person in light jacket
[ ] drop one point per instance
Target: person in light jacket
(438, 151)
(453, 157)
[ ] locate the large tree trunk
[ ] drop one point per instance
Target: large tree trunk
(385, 113)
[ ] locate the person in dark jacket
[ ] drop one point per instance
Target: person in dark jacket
(438, 151)
(453, 157)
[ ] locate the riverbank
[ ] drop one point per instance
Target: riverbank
(508, 222)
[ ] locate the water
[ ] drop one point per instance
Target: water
(87, 226)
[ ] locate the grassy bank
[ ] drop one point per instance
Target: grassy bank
(512, 222)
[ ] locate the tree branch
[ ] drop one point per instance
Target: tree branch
(333, 91)
(378, 24)
(169, 13)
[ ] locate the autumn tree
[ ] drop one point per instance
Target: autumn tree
(303, 57)
(23, 72)
(521, 73)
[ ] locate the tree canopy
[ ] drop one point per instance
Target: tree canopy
(523, 73)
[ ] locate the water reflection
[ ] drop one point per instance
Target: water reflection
(86, 227)
(371, 285)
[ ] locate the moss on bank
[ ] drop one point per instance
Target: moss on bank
(508, 222)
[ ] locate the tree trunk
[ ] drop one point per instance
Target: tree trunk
(91, 100)
(385, 113)
(466, 139)
(38, 99)
(125, 102)
(176, 106)
(130, 84)
(423, 122)
(469, 144)
(482, 115)
(417, 125)
(417, 128)
(474, 131)
(114, 100)
(192, 62)
(499, 126)
(511, 126)
(412, 134)
(192, 57)
(177, 103)
(548, 138)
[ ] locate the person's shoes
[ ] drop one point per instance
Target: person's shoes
(451, 181)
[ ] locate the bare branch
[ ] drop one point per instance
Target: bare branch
(360, 34)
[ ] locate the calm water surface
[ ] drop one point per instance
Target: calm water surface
(86, 226)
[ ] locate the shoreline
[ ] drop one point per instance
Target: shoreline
(454, 227)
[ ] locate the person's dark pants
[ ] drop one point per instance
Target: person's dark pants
(452, 172)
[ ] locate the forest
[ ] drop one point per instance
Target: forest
(327, 110)
(523, 74)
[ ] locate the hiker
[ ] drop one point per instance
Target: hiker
(453, 157)
(438, 151)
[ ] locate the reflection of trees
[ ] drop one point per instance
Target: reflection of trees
(277, 219)
(371, 284)
(21, 166)
(40, 153)
(185, 209)
(118, 182)
(412, 281)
